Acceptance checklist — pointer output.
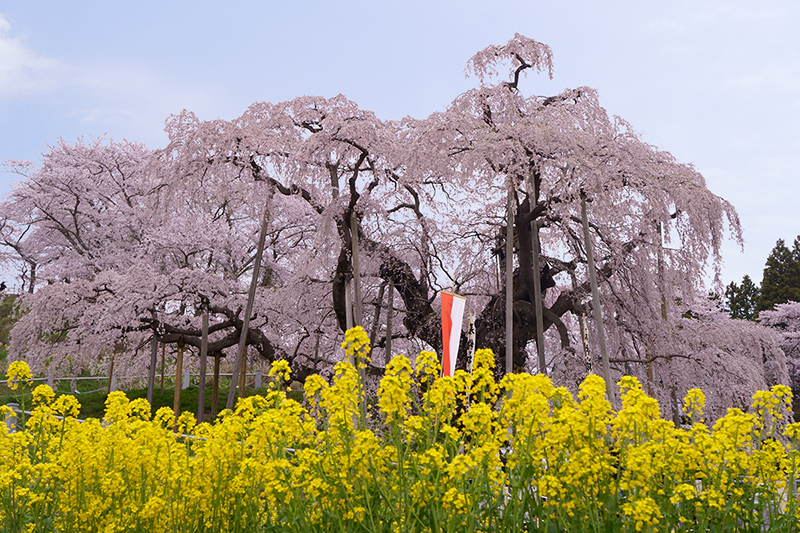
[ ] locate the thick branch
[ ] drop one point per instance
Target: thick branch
(649, 359)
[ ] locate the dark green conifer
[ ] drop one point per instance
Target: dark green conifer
(741, 301)
(781, 282)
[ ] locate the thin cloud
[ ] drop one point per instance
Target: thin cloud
(105, 97)
(22, 71)
(138, 98)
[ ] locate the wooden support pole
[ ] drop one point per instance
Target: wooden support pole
(533, 195)
(151, 374)
(243, 378)
(348, 304)
(587, 356)
(251, 295)
(537, 298)
(598, 312)
(201, 393)
(358, 317)
(376, 321)
(178, 380)
(662, 281)
(316, 347)
(389, 314)
(215, 388)
(119, 347)
(676, 411)
(163, 357)
(111, 372)
(509, 284)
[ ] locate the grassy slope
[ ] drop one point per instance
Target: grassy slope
(7, 320)
(93, 402)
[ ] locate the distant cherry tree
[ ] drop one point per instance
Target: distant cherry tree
(123, 255)
(786, 320)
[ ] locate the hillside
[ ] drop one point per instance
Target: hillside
(7, 320)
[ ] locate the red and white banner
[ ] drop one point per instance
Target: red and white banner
(452, 315)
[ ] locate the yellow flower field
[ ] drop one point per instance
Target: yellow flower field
(453, 454)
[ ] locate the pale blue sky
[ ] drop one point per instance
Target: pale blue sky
(717, 83)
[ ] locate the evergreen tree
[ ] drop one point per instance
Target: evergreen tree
(781, 282)
(741, 300)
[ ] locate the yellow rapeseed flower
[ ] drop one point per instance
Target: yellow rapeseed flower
(395, 387)
(642, 512)
(693, 405)
(66, 405)
(18, 372)
(281, 369)
(455, 459)
(356, 345)
(43, 395)
(427, 367)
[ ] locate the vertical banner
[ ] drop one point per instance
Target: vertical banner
(470, 340)
(452, 315)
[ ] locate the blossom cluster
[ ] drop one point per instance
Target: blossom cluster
(460, 453)
(356, 346)
(18, 373)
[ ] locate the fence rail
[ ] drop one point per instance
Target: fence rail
(186, 382)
